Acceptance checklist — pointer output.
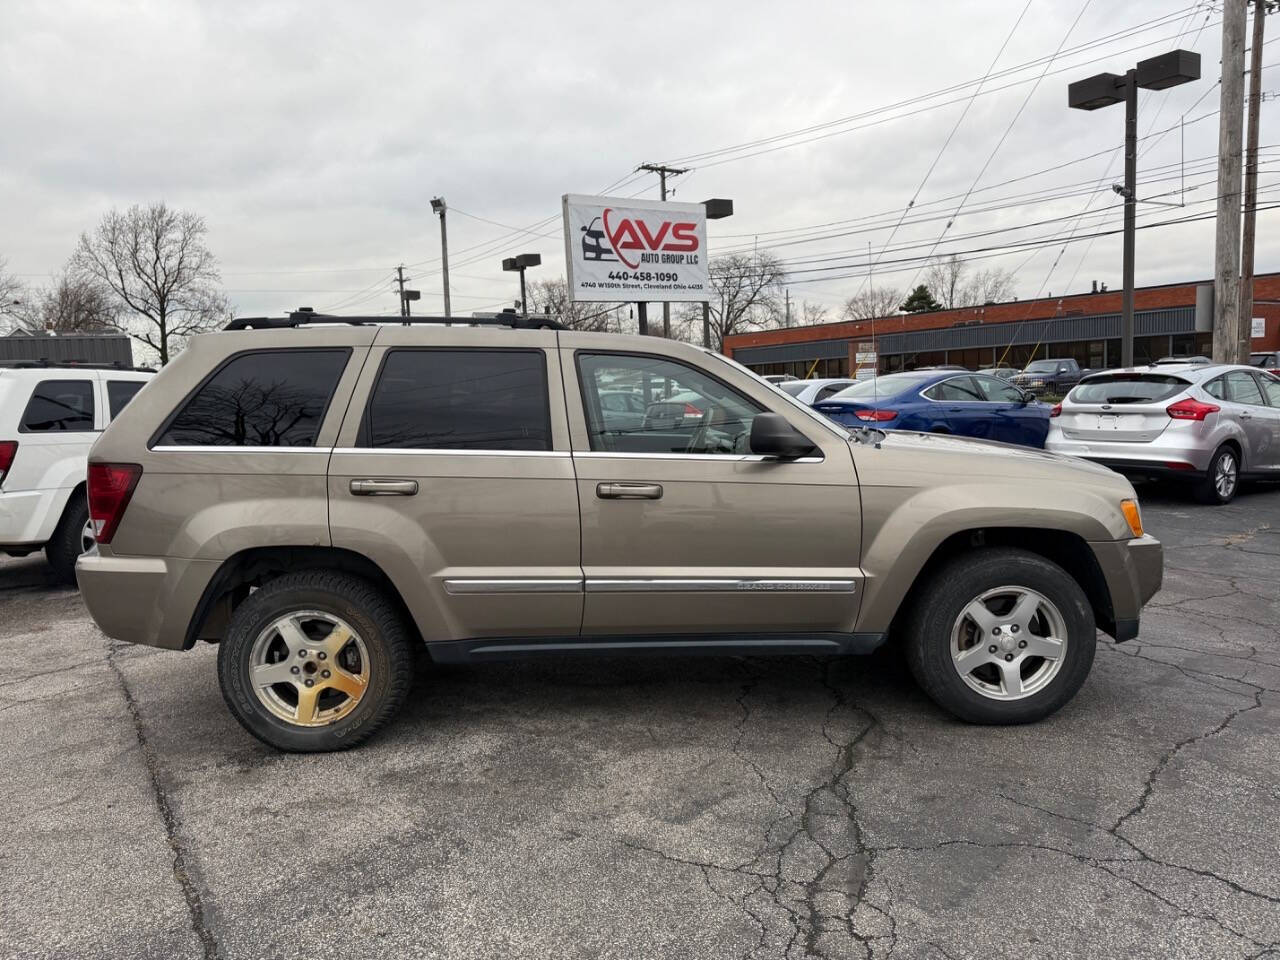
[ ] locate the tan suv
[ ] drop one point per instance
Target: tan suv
(321, 497)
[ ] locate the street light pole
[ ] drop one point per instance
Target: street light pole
(441, 208)
(518, 265)
(1130, 213)
(1102, 90)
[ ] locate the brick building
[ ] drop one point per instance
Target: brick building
(1174, 319)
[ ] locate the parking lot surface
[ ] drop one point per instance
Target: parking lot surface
(647, 808)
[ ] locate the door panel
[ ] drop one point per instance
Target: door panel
(735, 543)
(1249, 410)
(1271, 413)
(488, 543)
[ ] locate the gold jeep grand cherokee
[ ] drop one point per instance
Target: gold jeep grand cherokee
(319, 495)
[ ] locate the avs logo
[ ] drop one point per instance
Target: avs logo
(632, 241)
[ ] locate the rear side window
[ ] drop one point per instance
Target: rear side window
(120, 392)
(275, 398)
(957, 389)
(460, 400)
(59, 406)
(1128, 388)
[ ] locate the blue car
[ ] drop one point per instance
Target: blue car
(942, 401)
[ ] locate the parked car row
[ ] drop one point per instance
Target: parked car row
(1213, 425)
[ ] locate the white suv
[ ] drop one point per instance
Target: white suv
(50, 414)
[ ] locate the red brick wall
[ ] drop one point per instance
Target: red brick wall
(1266, 294)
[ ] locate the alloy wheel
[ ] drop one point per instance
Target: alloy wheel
(1225, 475)
(309, 668)
(1009, 643)
(87, 537)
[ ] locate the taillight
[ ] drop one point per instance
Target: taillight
(110, 487)
(876, 415)
(7, 449)
(1191, 409)
(1056, 411)
(691, 411)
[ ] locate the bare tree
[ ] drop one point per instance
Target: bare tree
(552, 297)
(77, 304)
(157, 267)
(747, 295)
(945, 280)
(14, 306)
(949, 282)
(989, 286)
(873, 303)
(813, 313)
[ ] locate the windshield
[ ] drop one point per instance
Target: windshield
(1258, 359)
(1042, 366)
(804, 407)
(793, 387)
(1128, 388)
(887, 386)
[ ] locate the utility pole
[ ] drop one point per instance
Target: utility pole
(441, 208)
(1130, 213)
(1227, 318)
(787, 316)
(404, 304)
(663, 173)
(1251, 182)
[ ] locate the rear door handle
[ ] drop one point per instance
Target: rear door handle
(1246, 415)
(384, 488)
(629, 491)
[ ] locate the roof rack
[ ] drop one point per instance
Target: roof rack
(298, 318)
(74, 364)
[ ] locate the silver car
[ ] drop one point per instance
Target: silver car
(811, 391)
(1212, 424)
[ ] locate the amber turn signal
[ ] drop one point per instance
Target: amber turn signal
(1133, 515)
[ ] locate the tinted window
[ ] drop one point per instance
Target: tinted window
(120, 392)
(688, 411)
(997, 391)
(793, 387)
(830, 390)
(1128, 388)
(60, 405)
(1243, 388)
(274, 398)
(955, 390)
(460, 400)
(886, 386)
(1043, 366)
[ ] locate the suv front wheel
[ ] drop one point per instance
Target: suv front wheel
(315, 661)
(1001, 636)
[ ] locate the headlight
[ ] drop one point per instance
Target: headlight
(1133, 515)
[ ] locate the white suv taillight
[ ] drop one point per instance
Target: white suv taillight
(110, 486)
(8, 448)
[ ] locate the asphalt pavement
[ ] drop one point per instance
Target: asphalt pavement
(710, 808)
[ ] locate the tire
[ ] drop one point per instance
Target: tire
(68, 540)
(987, 692)
(378, 652)
(1219, 490)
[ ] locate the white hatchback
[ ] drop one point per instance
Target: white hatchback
(50, 415)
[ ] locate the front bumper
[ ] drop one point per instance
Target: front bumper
(1134, 571)
(146, 600)
(1166, 455)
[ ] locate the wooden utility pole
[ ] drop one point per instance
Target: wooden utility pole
(1251, 182)
(663, 173)
(1226, 266)
(404, 304)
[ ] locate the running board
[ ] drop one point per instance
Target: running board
(674, 645)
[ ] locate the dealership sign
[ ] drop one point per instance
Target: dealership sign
(623, 249)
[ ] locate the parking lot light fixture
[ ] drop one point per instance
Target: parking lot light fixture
(717, 209)
(1102, 90)
(519, 264)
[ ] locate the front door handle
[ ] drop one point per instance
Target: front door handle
(384, 488)
(629, 491)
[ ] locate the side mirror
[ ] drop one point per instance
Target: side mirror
(773, 436)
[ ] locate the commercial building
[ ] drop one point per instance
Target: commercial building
(1170, 320)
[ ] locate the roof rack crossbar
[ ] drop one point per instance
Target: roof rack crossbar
(298, 318)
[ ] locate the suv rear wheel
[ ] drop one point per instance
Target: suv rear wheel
(315, 661)
(72, 537)
(1001, 636)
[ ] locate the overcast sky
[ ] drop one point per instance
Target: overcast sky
(311, 136)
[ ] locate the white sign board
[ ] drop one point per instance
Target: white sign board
(1259, 327)
(622, 249)
(863, 358)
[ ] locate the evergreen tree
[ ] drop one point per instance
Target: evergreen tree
(920, 300)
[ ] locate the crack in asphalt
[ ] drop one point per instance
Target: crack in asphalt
(181, 871)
